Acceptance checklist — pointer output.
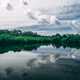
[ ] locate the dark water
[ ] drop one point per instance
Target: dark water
(43, 63)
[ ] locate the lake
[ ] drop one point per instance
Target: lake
(42, 63)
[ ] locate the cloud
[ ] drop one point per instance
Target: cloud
(42, 18)
(34, 13)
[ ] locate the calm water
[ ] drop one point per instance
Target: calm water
(43, 63)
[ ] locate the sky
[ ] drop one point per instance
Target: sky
(38, 12)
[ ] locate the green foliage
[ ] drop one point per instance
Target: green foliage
(18, 37)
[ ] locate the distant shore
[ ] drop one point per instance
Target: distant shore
(28, 40)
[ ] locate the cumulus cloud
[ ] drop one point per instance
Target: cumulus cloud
(64, 6)
(42, 18)
(31, 12)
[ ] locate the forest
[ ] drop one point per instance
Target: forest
(19, 38)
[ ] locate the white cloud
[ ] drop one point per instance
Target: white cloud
(17, 15)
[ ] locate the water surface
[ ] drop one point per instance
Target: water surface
(43, 63)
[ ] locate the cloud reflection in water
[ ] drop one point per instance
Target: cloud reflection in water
(28, 65)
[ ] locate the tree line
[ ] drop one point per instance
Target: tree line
(17, 37)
